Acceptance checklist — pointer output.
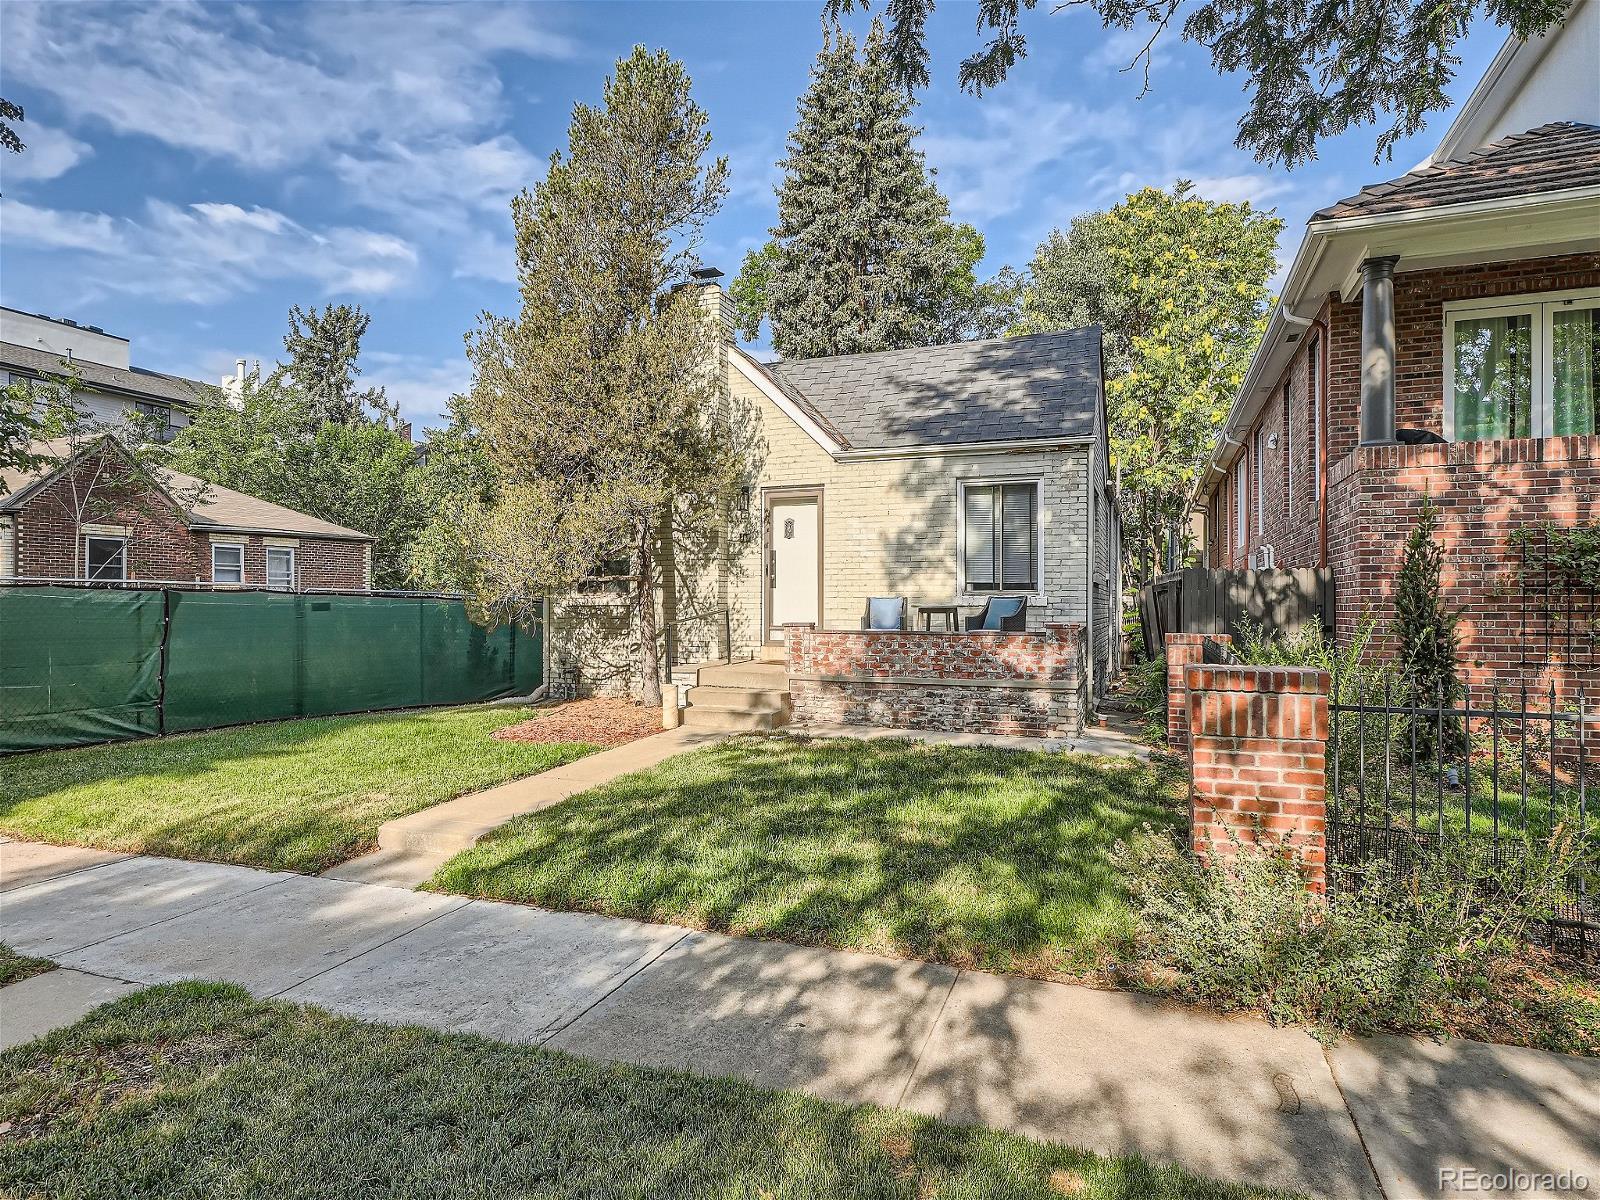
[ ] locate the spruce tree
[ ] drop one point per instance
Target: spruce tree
(864, 255)
(1425, 628)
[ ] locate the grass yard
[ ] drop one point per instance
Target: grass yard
(195, 1091)
(994, 859)
(296, 795)
(14, 967)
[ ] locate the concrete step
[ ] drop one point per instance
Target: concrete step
(726, 721)
(767, 677)
(738, 699)
(769, 654)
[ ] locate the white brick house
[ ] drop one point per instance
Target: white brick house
(942, 474)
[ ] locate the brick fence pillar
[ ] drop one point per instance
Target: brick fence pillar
(1258, 760)
(1182, 650)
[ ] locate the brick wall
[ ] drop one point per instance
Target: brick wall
(161, 545)
(1258, 761)
(1011, 683)
(1288, 471)
(1485, 491)
(1183, 650)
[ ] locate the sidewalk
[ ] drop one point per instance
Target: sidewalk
(1108, 1071)
(411, 848)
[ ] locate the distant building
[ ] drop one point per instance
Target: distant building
(34, 347)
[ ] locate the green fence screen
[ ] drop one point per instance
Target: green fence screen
(80, 665)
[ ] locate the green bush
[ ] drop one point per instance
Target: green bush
(1389, 951)
(1147, 692)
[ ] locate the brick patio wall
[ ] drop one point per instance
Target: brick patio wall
(1258, 761)
(1183, 649)
(1009, 683)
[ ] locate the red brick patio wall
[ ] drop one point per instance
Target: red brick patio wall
(975, 682)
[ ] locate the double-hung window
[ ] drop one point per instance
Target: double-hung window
(280, 567)
(1524, 366)
(1000, 536)
(227, 562)
(105, 557)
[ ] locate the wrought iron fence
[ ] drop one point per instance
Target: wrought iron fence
(1495, 774)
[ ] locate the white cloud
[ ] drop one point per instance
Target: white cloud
(50, 153)
(988, 172)
(305, 81)
(1120, 50)
(418, 179)
(419, 385)
(205, 253)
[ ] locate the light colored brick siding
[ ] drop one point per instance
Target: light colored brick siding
(889, 529)
(889, 525)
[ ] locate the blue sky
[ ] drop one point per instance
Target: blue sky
(194, 170)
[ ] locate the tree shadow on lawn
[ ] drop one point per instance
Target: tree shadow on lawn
(974, 857)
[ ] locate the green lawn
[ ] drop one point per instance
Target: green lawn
(299, 795)
(994, 859)
(195, 1091)
(14, 967)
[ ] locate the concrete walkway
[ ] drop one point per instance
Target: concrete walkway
(411, 848)
(1109, 1071)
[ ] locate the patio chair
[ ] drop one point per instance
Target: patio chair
(885, 612)
(1008, 614)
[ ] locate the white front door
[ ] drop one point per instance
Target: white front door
(794, 562)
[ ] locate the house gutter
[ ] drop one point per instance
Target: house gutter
(1016, 446)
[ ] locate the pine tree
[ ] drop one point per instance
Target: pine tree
(864, 255)
(323, 347)
(1426, 628)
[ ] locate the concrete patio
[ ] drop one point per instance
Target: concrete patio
(1109, 1071)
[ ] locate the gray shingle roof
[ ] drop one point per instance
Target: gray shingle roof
(1554, 157)
(135, 381)
(1043, 385)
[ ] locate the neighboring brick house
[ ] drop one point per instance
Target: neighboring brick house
(169, 529)
(1436, 337)
(943, 474)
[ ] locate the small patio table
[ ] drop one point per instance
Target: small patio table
(950, 613)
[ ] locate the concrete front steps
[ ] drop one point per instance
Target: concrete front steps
(738, 697)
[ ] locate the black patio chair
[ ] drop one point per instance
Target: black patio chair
(1008, 614)
(885, 613)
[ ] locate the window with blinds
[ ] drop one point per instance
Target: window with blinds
(1001, 545)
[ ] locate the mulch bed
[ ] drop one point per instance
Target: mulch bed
(601, 721)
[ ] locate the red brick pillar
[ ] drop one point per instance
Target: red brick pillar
(1182, 650)
(1258, 760)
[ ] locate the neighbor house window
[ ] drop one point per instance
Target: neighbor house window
(280, 566)
(1000, 536)
(227, 563)
(1524, 367)
(105, 557)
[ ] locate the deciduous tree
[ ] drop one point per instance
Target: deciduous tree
(1178, 286)
(1313, 70)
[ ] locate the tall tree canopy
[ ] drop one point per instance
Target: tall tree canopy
(1314, 69)
(1178, 286)
(598, 406)
(864, 256)
(323, 348)
(315, 451)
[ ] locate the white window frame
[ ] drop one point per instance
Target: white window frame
(1241, 500)
(1541, 307)
(1036, 592)
(105, 537)
(293, 573)
(240, 547)
(1257, 476)
(1314, 390)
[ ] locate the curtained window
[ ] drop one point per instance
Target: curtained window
(1527, 369)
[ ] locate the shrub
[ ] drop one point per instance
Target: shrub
(1389, 951)
(1425, 629)
(1147, 692)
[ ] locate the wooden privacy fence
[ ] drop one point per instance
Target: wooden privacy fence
(1213, 600)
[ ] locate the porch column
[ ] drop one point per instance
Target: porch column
(1377, 350)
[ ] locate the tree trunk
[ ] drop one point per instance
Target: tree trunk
(644, 606)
